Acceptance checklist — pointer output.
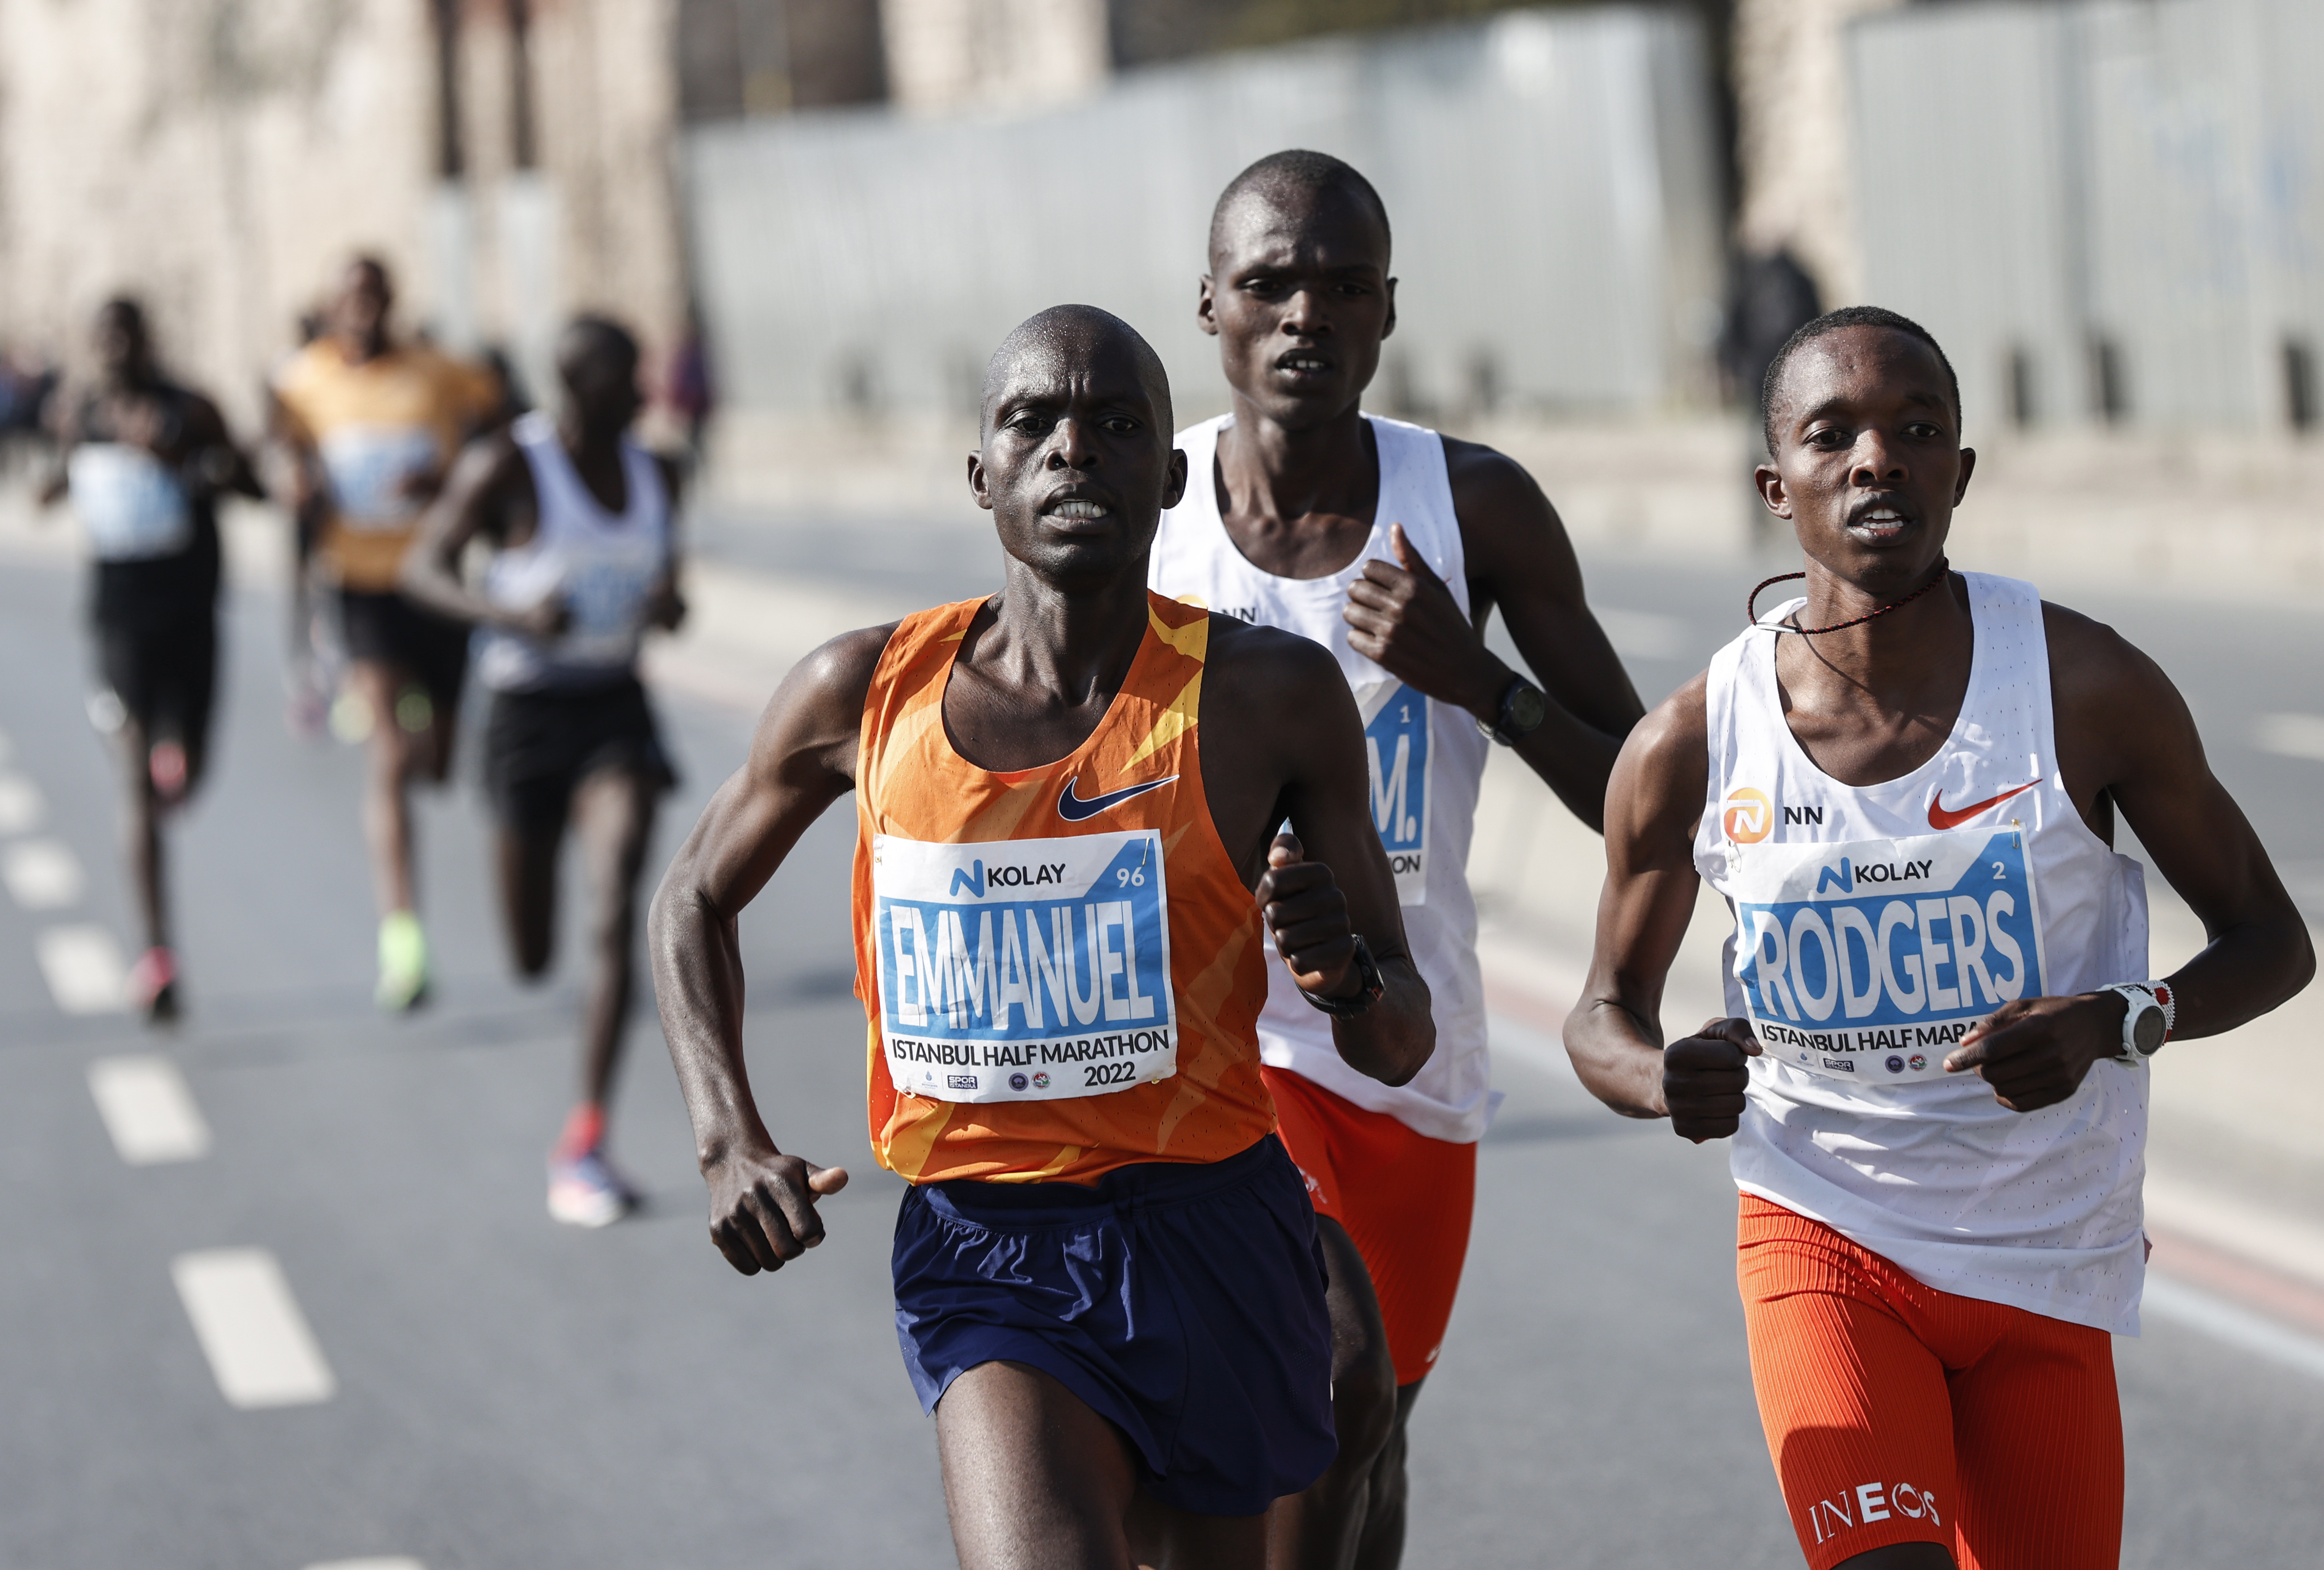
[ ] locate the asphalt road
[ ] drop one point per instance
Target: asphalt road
(506, 1393)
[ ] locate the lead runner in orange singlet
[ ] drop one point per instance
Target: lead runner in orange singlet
(1109, 1286)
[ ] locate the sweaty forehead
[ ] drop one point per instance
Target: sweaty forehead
(1057, 359)
(1863, 366)
(1279, 222)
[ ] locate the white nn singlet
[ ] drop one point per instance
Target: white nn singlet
(1426, 760)
(1874, 924)
(603, 566)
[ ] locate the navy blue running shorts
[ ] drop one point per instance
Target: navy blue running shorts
(1183, 1303)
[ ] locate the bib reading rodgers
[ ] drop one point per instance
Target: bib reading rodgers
(1870, 960)
(1024, 969)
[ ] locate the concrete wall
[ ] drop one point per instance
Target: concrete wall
(1551, 175)
(2113, 191)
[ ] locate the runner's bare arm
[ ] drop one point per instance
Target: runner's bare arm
(217, 462)
(1281, 741)
(802, 759)
(488, 495)
(1518, 558)
(2125, 738)
(1614, 1034)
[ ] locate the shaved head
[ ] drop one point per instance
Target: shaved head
(1074, 334)
(1297, 178)
(586, 336)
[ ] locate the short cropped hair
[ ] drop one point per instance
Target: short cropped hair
(1828, 323)
(1298, 171)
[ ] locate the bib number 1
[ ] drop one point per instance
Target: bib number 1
(1396, 757)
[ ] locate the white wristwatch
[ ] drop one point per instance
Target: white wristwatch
(2146, 1023)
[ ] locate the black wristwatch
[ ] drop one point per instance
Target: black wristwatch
(1368, 972)
(1521, 711)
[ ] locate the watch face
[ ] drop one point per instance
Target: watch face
(2146, 1034)
(1525, 709)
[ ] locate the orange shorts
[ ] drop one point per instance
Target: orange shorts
(1405, 1199)
(1896, 1413)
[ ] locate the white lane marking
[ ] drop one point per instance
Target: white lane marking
(20, 803)
(84, 970)
(2234, 1324)
(42, 875)
(1643, 634)
(2291, 735)
(257, 1342)
(148, 1110)
(387, 1563)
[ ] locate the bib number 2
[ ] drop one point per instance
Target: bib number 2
(1024, 969)
(1869, 961)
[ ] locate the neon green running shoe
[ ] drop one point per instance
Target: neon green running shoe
(402, 963)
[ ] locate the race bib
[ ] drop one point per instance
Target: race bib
(1869, 961)
(369, 466)
(607, 601)
(1396, 753)
(131, 505)
(1024, 969)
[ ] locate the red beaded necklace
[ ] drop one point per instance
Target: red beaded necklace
(1750, 605)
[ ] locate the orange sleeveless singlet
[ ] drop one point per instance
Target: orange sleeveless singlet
(1061, 967)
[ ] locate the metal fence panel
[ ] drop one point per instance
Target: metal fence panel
(2110, 208)
(1551, 177)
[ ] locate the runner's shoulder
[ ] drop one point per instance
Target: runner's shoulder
(1666, 757)
(839, 671)
(2093, 668)
(1265, 666)
(816, 713)
(1506, 517)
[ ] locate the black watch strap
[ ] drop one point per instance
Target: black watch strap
(1368, 972)
(1520, 712)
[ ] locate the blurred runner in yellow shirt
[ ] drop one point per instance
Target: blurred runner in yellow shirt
(373, 426)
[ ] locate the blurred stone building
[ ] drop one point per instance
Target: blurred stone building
(509, 159)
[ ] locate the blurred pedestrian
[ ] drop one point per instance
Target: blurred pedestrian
(1769, 297)
(689, 391)
(582, 526)
(370, 427)
(145, 461)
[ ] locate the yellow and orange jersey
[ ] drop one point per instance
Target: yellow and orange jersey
(1061, 966)
(375, 425)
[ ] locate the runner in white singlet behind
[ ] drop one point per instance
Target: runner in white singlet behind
(1391, 545)
(583, 521)
(1905, 785)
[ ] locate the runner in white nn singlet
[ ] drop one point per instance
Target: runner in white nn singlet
(1426, 759)
(1941, 1018)
(1874, 924)
(583, 526)
(1393, 547)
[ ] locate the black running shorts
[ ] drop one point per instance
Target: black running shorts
(386, 629)
(539, 745)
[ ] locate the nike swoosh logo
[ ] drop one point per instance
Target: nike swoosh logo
(1942, 818)
(1074, 809)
